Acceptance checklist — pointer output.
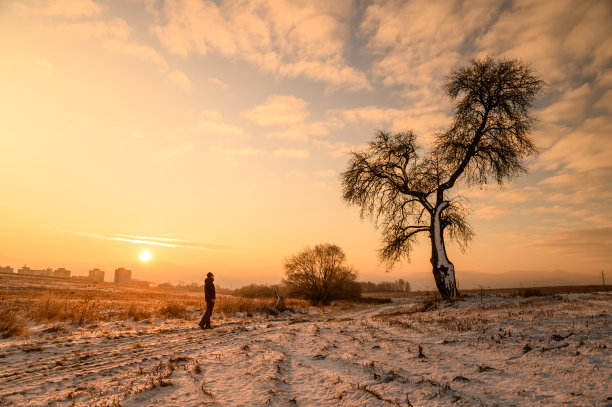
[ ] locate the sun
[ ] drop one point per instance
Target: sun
(145, 255)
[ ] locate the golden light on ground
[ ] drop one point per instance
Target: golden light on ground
(145, 255)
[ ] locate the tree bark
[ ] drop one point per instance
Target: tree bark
(443, 269)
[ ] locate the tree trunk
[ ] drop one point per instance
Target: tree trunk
(443, 269)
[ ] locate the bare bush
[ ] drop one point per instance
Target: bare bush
(319, 275)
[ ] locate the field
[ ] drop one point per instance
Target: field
(70, 342)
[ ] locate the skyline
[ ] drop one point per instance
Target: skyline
(212, 133)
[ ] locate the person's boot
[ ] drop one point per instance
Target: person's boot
(207, 326)
(201, 325)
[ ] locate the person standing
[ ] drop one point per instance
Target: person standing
(209, 296)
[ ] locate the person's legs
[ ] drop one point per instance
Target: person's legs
(205, 322)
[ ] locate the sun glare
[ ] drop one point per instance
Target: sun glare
(145, 255)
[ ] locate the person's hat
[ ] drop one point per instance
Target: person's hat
(209, 274)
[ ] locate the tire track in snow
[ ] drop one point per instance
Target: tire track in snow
(118, 354)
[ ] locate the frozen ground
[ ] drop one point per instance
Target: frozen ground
(538, 351)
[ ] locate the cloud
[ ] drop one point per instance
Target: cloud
(289, 116)
(324, 174)
(292, 153)
(116, 37)
(417, 41)
(211, 123)
(279, 110)
(243, 151)
(115, 29)
(564, 40)
(334, 149)
(588, 147)
(177, 151)
(181, 80)
(491, 212)
(591, 244)
(141, 52)
(284, 38)
(150, 6)
(63, 8)
(151, 240)
(218, 82)
(424, 121)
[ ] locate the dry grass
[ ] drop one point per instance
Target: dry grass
(11, 325)
(69, 301)
(250, 306)
(174, 309)
(138, 312)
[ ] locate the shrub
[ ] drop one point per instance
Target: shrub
(11, 325)
(319, 274)
(530, 292)
(255, 291)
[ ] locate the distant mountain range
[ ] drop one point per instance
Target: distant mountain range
(508, 279)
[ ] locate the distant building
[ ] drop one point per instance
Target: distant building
(31, 272)
(61, 272)
(97, 275)
(123, 276)
(6, 270)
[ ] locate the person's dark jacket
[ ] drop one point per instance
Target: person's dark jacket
(209, 289)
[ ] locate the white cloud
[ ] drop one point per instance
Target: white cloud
(334, 149)
(63, 8)
(116, 37)
(491, 211)
(591, 244)
(212, 124)
(424, 121)
(417, 42)
(286, 38)
(138, 51)
(243, 151)
(180, 79)
(115, 29)
(279, 110)
(289, 116)
(218, 82)
(588, 147)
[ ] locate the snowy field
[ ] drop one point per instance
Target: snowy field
(489, 351)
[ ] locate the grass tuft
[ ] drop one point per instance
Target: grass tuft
(174, 309)
(11, 325)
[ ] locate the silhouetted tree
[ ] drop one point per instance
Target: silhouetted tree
(406, 191)
(319, 274)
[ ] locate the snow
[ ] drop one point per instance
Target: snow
(494, 350)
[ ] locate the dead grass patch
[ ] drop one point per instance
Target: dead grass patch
(138, 312)
(174, 309)
(11, 325)
(54, 302)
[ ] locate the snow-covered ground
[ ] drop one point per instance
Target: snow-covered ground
(538, 351)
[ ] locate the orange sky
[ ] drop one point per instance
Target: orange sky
(213, 133)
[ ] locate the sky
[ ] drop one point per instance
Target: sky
(213, 133)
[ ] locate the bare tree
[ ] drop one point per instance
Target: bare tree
(406, 190)
(319, 273)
